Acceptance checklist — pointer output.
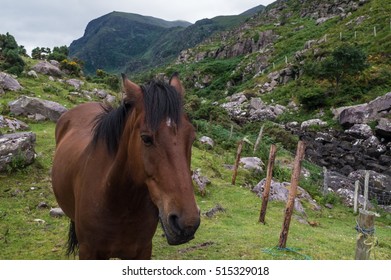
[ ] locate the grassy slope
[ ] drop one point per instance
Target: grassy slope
(234, 234)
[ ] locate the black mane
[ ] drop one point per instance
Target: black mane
(109, 126)
(161, 101)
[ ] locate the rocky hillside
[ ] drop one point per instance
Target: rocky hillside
(297, 68)
(129, 42)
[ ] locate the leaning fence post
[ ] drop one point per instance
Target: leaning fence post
(238, 154)
(366, 230)
(292, 194)
(258, 139)
(269, 176)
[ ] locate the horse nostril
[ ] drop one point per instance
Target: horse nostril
(173, 221)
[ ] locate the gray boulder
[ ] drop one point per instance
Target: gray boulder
(252, 163)
(16, 150)
(259, 111)
(7, 82)
(47, 68)
(280, 192)
(336, 181)
(362, 131)
(110, 99)
(364, 113)
(313, 122)
(235, 107)
(32, 74)
(12, 124)
(347, 197)
(207, 141)
(242, 110)
(56, 212)
(383, 129)
(28, 106)
(100, 93)
(76, 83)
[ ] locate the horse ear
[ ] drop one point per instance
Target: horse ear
(176, 83)
(132, 90)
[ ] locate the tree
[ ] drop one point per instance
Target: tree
(346, 60)
(40, 53)
(59, 53)
(10, 59)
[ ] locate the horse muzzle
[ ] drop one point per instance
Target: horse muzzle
(179, 230)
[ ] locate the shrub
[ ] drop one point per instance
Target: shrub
(312, 98)
(71, 66)
(10, 59)
(105, 78)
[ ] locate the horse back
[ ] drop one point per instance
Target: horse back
(80, 119)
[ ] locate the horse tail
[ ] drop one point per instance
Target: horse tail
(72, 244)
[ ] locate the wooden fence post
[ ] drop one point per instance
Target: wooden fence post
(258, 139)
(325, 181)
(238, 154)
(366, 240)
(366, 187)
(356, 188)
(266, 189)
(292, 194)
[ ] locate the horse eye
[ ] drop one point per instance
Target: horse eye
(147, 139)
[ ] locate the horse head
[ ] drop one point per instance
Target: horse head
(160, 149)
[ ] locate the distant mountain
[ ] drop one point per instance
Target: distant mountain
(253, 11)
(130, 42)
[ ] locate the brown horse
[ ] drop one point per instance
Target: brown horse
(117, 172)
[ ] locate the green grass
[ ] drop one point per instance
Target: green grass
(233, 234)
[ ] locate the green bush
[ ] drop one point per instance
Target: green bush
(312, 98)
(108, 79)
(73, 67)
(10, 59)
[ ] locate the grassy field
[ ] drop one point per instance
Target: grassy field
(27, 232)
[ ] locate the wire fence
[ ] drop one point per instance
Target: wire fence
(352, 36)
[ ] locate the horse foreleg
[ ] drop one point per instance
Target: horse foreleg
(145, 254)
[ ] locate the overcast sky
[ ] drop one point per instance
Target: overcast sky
(49, 23)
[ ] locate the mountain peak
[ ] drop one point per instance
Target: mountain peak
(121, 41)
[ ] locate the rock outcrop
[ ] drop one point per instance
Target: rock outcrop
(31, 106)
(7, 82)
(364, 113)
(242, 110)
(47, 68)
(16, 150)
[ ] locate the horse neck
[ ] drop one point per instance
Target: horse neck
(125, 179)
